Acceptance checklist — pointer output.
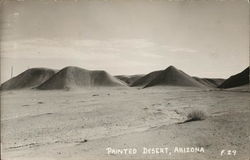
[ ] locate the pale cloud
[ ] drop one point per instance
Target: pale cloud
(136, 50)
(16, 14)
(184, 50)
(75, 48)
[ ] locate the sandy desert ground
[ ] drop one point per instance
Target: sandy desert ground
(80, 125)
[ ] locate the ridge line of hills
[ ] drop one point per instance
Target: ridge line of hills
(72, 77)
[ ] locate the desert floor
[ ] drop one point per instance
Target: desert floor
(50, 125)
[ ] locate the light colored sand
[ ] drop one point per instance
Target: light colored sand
(53, 124)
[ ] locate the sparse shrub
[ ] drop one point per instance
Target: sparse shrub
(84, 141)
(66, 88)
(196, 115)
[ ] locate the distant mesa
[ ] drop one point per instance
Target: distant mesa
(129, 79)
(237, 80)
(170, 76)
(75, 77)
(28, 79)
(210, 82)
(143, 81)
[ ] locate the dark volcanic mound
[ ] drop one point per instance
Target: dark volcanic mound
(237, 80)
(129, 79)
(75, 77)
(143, 81)
(28, 79)
(169, 76)
(210, 82)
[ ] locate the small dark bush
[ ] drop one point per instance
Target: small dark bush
(196, 115)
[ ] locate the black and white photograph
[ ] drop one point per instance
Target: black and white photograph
(125, 79)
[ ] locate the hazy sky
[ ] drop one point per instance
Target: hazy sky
(206, 38)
